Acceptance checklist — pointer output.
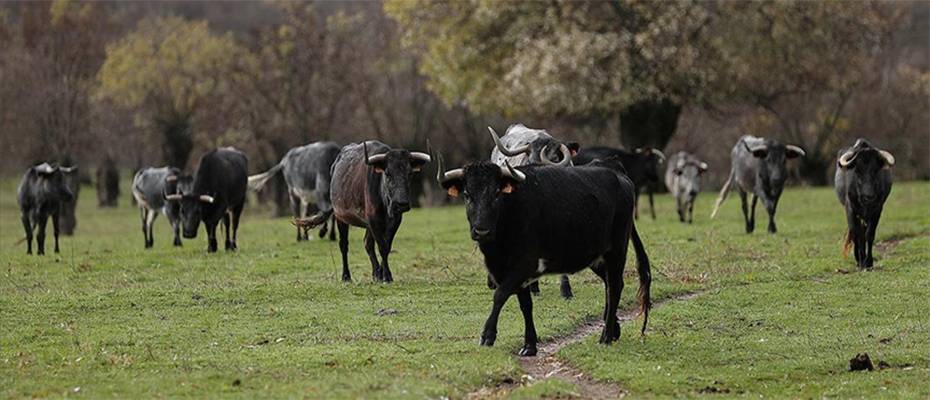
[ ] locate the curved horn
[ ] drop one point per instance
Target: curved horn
(703, 166)
(512, 173)
(206, 198)
(416, 155)
(171, 178)
(847, 158)
(503, 149)
(889, 159)
(67, 169)
(372, 159)
(566, 157)
(457, 173)
(660, 154)
(45, 168)
(173, 197)
(795, 149)
(753, 149)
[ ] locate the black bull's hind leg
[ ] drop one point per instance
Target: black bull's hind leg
(344, 249)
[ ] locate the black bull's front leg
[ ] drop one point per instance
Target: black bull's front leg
(513, 284)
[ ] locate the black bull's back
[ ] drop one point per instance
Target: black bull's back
(566, 216)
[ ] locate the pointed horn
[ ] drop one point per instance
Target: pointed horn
(703, 166)
(457, 173)
(511, 173)
(796, 149)
(206, 198)
(660, 154)
(372, 159)
(173, 197)
(67, 170)
(416, 155)
(503, 149)
(847, 158)
(889, 159)
(171, 178)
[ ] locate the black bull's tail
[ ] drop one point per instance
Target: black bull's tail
(645, 278)
(314, 220)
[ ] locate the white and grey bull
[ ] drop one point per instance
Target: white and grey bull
(526, 146)
(683, 179)
(308, 173)
(758, 167)
(150, 186)
(863, 183)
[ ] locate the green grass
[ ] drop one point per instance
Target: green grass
(273, 320)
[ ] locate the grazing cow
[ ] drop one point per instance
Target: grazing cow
(863, 182)
(539, 219)
(41, 194)
(370, 189)
(150, 188)
(683, 179)
(67, 221)
(307, 171)
(107, 184)
(759, 170)
(642, 166)
(525, 146)
(217, 192)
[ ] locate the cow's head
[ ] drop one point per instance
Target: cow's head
(395, 168)
(651, 159)
(773, 170)
(191, 204)
(483, 185)
(867, 163)
(689, 172)
(543, 150)
(54, 180)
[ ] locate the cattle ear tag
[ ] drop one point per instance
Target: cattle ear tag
(507, 188)
(453, 191)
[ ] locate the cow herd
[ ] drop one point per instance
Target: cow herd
(538, 206)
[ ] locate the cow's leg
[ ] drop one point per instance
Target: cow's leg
(227, 221)
(679, 202)
(534, 288)
(529, 328)
(636, 202)
(295, 206)
(491, 284)
(324, 229)
(385, 242)
(745, 205)
(691, 211)
(176, 227)
(236, 216)
(506, 288)
(145, 228)
(344, 249)
(870, 238)
(150, 227)
(332, 232)
(770, 207)
(55, 229)
(565, 287)
(27, 226)
(211, 235)
(652, 207)
(40, 235)
(376, 272)
(752, 212)
(613, 270)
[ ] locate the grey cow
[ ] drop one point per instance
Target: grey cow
(683, 179)
(307, 172)
(149, 188)
(526, 146)
(758, 169)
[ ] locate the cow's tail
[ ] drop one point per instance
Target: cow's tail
(723, 194)
(645, 278)
(314, 220)
(256, 182)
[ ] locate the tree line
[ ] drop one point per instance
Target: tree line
(140, 84)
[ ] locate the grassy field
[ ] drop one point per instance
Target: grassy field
(778, 315)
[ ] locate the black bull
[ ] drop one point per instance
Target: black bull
(538, 220)
(863, 183)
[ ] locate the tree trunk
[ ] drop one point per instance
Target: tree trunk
(178, 144)
(649, 124)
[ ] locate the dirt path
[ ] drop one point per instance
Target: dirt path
(546, 365)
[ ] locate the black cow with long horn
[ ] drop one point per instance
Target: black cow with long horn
(863, 183)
